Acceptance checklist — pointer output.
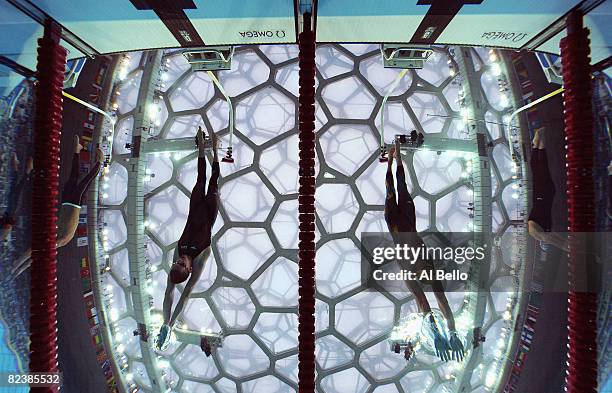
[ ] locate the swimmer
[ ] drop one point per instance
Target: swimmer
(194, 245)
(400, 215)
(539, 223)
(73, 195)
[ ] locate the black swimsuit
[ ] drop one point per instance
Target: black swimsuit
(400, 216)
(401, 219)
(203, 209)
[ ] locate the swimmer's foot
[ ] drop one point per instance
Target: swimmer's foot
(542, 139)
(99, 155)
(77, 145)
(201, 140)
(15, 162)
(538, 139)
(29, 165)
(391, 155)
(5, 231)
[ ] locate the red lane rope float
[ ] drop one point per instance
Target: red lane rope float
(306, 200)
(582, 306)
(47, 131)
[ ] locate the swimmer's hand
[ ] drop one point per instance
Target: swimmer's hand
(163, 339)
(456, 347)
(442, 347)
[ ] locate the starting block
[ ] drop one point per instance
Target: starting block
(406, 346)
(412, 141)
(213, 58)
(405, 56)
(206, 340)
(186, 144)
(210, 341)
(414, 333)
(406, 335)
(207, 142)
(407, 142)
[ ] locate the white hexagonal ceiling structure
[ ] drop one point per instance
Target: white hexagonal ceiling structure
(249, 287)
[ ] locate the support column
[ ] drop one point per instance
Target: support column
(481, 182)
(96, 252)
(306, 253)
(578, 114)
(135, 218)
(45, 192)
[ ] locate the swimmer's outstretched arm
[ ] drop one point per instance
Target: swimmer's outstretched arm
(441, 345)
(168, 299)
(22, 263)
(443, 304)
(540, 234)
(169, 295)
(455, 345)
(419, 296)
